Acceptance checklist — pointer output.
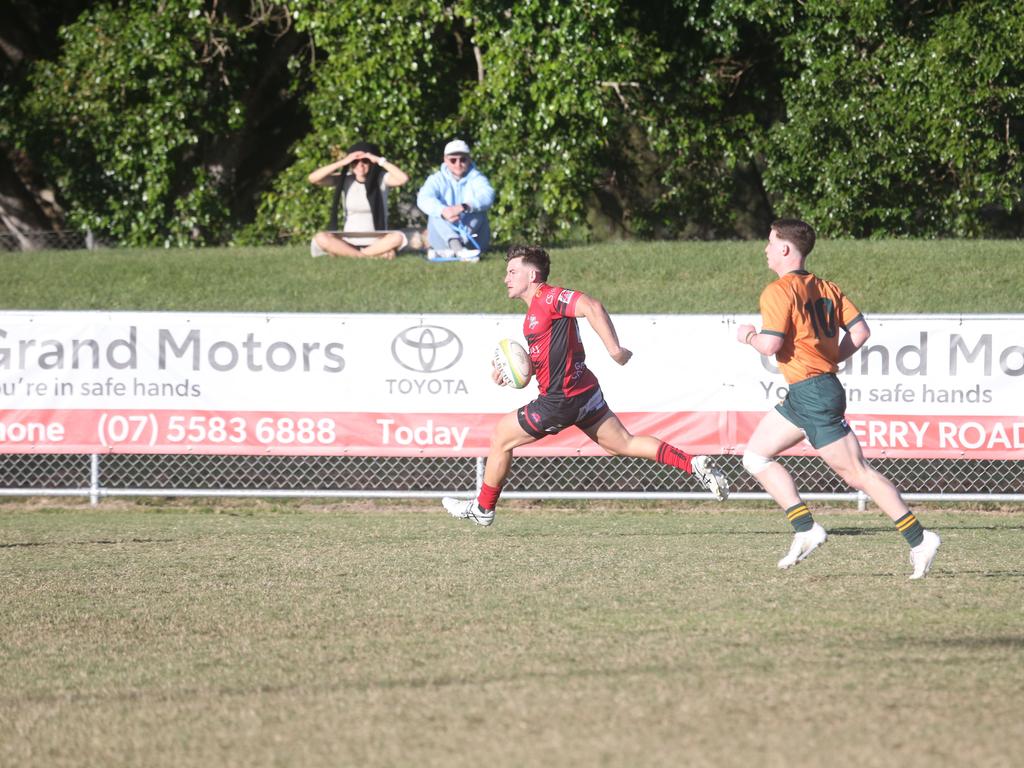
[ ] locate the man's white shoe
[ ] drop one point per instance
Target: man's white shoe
(468, 510)
(710, 476)
(922, 555)
(442, 254)
(315, 250)
(468, 254)
(803, 544)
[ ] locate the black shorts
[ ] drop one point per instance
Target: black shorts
(550, 415)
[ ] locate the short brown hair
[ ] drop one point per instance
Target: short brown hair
(532, 256)
(799, 233)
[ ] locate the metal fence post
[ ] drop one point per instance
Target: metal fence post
(94, 479)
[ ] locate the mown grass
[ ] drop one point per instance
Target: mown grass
(384, 633)
(663, 277)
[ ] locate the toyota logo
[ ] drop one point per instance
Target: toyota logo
(426, 348)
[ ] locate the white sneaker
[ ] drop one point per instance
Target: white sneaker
(922, 555)
(468, 254)
(440, 255)
(803, 544)
(710, 476)
(315, 250)
(468, 510)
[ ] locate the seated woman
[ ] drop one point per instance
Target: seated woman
(361, 180)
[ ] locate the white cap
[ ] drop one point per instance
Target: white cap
(456, 147)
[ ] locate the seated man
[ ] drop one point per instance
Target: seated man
(456, 199)
(361, 180)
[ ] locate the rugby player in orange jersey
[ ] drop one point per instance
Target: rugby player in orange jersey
(811, 326)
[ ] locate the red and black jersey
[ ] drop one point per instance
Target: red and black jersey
(553, 336)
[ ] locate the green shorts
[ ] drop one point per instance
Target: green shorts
(818, 406)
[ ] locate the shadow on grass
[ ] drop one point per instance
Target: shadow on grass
(1013, 642)
(860, 531)
(17, 544)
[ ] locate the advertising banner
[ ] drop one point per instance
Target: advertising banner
(420, 385)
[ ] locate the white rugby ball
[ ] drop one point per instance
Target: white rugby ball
(513, 363)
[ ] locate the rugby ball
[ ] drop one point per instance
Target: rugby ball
(513, 363)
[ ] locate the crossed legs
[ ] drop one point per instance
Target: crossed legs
(384, 247)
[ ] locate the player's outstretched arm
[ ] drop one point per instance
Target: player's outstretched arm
(601, 322)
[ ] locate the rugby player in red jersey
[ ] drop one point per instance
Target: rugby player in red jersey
(570, 394)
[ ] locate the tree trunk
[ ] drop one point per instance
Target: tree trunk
(20, 214)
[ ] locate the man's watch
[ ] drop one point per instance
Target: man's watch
(466, 208)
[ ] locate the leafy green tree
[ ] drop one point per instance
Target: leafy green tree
(391, 74)
(901, 119)
(600, 116)
(193, 121)
(141, 119)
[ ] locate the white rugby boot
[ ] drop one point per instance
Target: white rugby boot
(922, 555)
(803, 544)
(468, 509)
(710, 476)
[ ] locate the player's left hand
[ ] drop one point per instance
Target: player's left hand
(496, 375)
(742, 331)
(621, 355)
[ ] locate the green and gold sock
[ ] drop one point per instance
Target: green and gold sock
(910, 528)
(799, 517)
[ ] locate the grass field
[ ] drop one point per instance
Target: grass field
(231, 633)
(385, 633)
(678, 277)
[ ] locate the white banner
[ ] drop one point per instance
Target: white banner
(924, 386)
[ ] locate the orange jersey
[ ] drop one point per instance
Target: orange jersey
(807, 312)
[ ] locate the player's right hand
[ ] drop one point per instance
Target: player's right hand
(622, 355)
(496, 375)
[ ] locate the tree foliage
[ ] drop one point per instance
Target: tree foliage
(192, 121)
(901, 119)
(141, 120)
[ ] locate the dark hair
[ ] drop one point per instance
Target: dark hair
(365, 146)
(532, 256)
(799, 233)
(373, 195)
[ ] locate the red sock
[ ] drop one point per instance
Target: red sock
(488, 498)
(669, 454)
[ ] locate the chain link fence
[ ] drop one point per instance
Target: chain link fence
(107, 475)
(49, 240)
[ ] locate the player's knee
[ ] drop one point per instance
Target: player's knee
(755, 463)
